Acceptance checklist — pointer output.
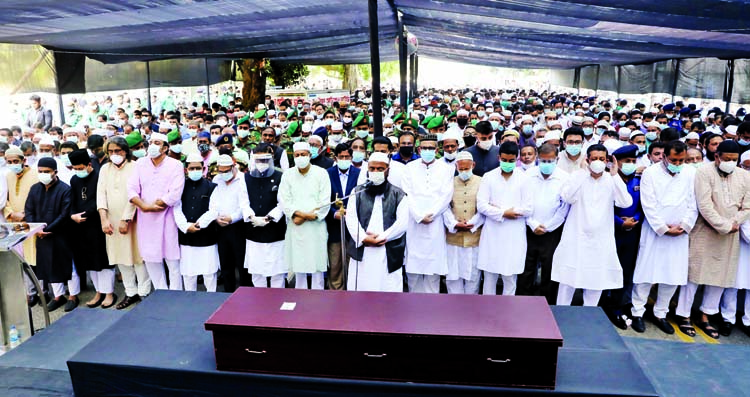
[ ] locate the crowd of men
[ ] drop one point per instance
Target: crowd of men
(540, 193)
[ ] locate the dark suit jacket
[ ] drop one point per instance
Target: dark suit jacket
(334, 225)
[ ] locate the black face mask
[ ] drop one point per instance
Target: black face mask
(462, 122)
(406, 151)
(470, 140)
(203, 148)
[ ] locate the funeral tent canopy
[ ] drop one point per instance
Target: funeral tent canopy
(568, 34)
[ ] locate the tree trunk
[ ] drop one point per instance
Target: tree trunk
(350, 78)
(254, 79)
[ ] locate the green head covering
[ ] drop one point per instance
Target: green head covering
(133, 138)
(290, 111)
(505, 104)
(361, 118)
(455, 101)
(450, 116)
(427, 119)
(244, 119)
(173, 135)
(436, 122)
(398, 117)
(293, 126)
(411, 123)
(260, 114)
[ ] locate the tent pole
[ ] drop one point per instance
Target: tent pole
(208, 85)
(402, 59)
(148, 84)
(676, 77)
(60, 106)
(377, 116)
(598, 69)
(729, 83)
(412, 89)
(416, 75)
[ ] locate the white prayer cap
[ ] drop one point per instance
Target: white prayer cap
(275, 123)
(306, 127)
(550, 113)
(462, 112)
(271, 112)
(158, 136)
(241, 156)
(165, 126)
(526, 117)
(635, 133)
(454, 133)
(652, 124)
(386, 120)
(731, 130)
(552, 135)
(612, 145)
(103, 132)
(262, 156)
(577, 120)
(379, 157)
(317, 124)
(694, 135)
(70, 130)
(46, 140)
(338, 126)
(507, 113)
(28, 129)
(14, 150)
(194, 158)
(301, 146)
(585, 105)
(261, 106)
(394, 140)
(225, 160)
(464, 156)
(624, 132)
(495, 114)
(588, 119)
(745, 156)
(553, 122)
(315, 138)
(506, 96)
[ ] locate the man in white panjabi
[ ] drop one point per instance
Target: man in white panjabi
(429, 185)
(587, 255)
(505, 201)
(304, 194)
(377, 219)
(464, 224)
(668, 201)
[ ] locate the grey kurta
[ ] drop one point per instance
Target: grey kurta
(722, 200)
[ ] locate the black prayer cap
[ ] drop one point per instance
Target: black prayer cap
(47, 162)
(79, 157)
(728, 146)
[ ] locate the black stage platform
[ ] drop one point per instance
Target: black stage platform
(160, 348)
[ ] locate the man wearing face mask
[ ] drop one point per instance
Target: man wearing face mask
(627, 234)
(95, 145)
(304, 194)
(743, 137)
(429, 185)
(589, 137)
(343, 179)
(155, 186)
(49, 202)
(376, 221)
(464, 224)
(571, 159)
(504, 199)
(175, 145)
(484, 152)
(580, 261)
(199, 253)
(405, 153)
(361, 128)
(544, 224)
(670, 213)
(244, 140)
(336, 135)
(452, 142)
(264, 224)
(714, 241)
(280, 158)
(318, 153)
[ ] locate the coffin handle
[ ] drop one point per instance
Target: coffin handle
(255, 351)
(375, 355)
(498, 361)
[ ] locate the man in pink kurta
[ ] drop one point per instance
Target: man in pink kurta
(155, 187)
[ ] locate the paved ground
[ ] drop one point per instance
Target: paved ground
(652, 332)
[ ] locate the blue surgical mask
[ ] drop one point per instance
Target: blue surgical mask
(675, 169)
(743, 142)
(628, 168)
(507, 166)
(82, 173)
(601, 131)
(573, 150)
(588, 131)
(428, 155)
(465, 175)
(641, 148)
(344, 164)
(195, 175)
(651, 136)
(527, 129)
(495, 124)
(358, 156)
(16, 168)
(314, 151)
(547, 168)
(226, 176)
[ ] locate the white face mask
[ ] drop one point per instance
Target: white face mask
(302, 162)
(262, 167)
(221, 122)
(451, 156)
(116, 159)
(377, 178)
(45, 179)
(597, 166)
(727, 166)
(486, 145)
(43, 155)
(154, 151)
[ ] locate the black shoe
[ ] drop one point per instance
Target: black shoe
(128, 301)
(638, 325)
(71, 304)
(745, 329)
(726, 328)
(32, 300)
(664, 325)
(97, 303)
(618, 319)
(114, 302)
(55, 304)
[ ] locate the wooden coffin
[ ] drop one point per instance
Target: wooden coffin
(427, 338)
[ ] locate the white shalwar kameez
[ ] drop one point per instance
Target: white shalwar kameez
(266, 259)
(587, 255)
(662, 259)
(729, 300)
(197, 261)
(430, 190)
(502, 245)
(463, 274)
(371, 274)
